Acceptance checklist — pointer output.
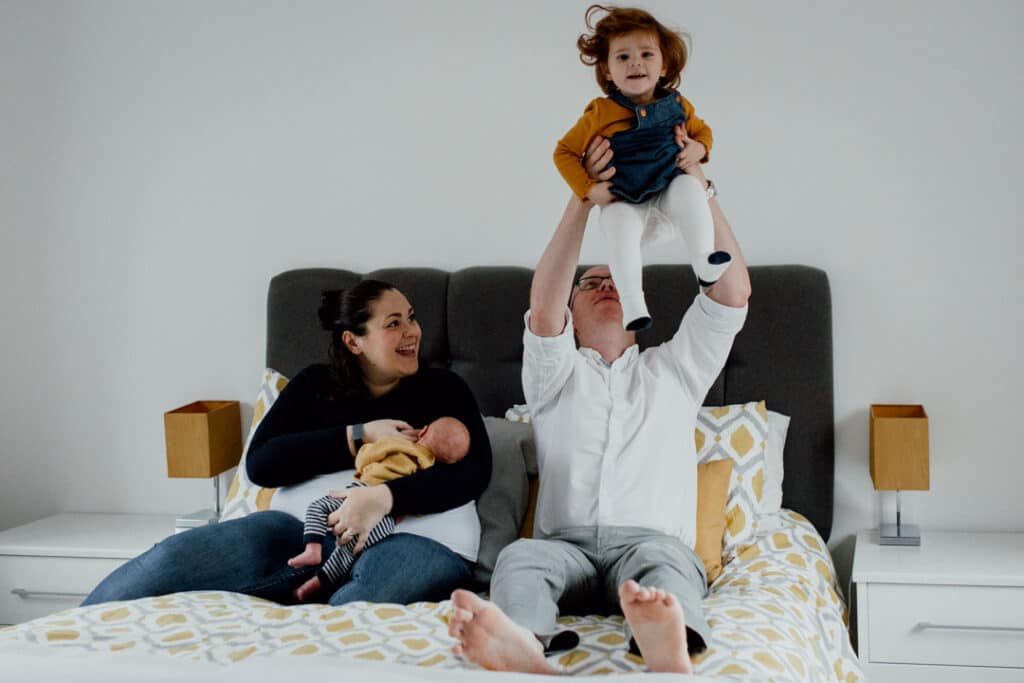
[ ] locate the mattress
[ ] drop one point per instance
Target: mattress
(776, 613)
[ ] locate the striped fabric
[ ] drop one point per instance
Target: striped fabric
(335, 570)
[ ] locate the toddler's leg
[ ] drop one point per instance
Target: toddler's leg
(622, 226)
(685, 202)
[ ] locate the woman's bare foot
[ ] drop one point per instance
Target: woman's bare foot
(310, 588)
(308, 557)
(488, 638)
(656, 620)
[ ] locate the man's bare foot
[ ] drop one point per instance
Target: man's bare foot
(656, 620)
(310, 588)
(488, 638)
(308, 557)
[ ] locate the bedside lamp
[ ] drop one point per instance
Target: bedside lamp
(203, 439)
(899, 462)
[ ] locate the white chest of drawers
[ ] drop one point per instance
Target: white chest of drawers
(951, 609)
(53, 563)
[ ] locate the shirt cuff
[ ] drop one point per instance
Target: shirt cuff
(566, 330)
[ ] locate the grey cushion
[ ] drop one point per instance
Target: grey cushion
(503, 505)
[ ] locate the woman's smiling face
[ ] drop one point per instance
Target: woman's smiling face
(390, 348)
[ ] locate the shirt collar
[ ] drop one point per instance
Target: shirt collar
(620, 363)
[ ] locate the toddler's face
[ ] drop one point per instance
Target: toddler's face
(635, 64)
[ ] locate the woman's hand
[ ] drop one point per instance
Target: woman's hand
(692, 151)
(380, 429)
(364, 507)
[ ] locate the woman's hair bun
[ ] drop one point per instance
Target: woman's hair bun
(330, 308)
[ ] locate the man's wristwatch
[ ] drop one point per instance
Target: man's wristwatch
(357, 436)
(710, 191)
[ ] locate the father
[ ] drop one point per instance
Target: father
(616, 510)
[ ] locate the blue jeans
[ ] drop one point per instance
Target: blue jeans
(250, 555)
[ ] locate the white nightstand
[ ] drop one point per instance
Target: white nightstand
(949, 610)
(51, 564)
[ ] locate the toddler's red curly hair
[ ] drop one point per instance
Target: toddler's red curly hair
(617, 21)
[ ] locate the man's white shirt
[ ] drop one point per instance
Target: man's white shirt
(615, 443)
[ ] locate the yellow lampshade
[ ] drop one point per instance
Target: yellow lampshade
(899, 447)
(203, 438)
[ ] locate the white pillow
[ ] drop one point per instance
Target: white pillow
(457, 528)
(778, 426)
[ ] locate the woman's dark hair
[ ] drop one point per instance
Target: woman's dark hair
(348, 310)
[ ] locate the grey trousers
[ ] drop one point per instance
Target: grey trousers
(582, 568)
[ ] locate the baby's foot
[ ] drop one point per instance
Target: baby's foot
(634, 313)
(709, 267)
(639, 324)
(308, 589)
(308, 557)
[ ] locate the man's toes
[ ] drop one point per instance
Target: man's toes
(628, 590)
(462, 598)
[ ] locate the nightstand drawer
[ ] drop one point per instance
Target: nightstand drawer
(31, 587)
(947, 625)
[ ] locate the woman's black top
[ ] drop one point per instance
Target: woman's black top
(304, 435)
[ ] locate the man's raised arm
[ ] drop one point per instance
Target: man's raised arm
(552, 280)
(733, 288)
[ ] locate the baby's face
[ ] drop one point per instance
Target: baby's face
(430, 439)
(434, 439)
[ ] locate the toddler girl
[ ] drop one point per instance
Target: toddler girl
(637, 63)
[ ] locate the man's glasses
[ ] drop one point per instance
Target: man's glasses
(592, 282)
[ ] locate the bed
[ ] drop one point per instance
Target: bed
(776, 609)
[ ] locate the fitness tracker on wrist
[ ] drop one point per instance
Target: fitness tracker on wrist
(357, 436)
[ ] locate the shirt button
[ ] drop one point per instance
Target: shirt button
(643, 112)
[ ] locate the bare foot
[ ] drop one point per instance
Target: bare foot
(310, 588)
(656, 620)
(308, 557)
(487, 637)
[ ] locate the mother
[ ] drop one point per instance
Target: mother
(373, 381)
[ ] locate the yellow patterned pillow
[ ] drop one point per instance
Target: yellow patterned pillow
(738, 432)
(244, 496)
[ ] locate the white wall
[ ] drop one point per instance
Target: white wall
(159, 162)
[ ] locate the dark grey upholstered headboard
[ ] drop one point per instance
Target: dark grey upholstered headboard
(472, 322)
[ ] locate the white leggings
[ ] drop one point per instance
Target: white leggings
(626, 226)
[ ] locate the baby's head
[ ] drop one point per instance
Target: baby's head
(445, 437)
(595, 46)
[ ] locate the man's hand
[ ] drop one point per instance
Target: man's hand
(692, 151)
(601, 194)
(597, 158)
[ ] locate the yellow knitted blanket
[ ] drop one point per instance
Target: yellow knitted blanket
(390, 458)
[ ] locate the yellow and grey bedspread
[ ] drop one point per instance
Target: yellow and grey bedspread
(775, 614)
